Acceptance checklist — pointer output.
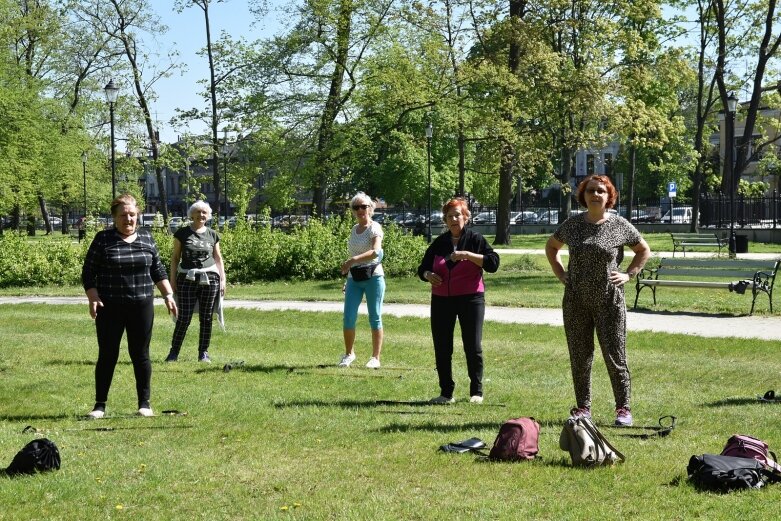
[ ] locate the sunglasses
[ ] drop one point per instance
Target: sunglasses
(360, 206)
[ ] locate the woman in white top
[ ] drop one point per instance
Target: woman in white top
(364, 276)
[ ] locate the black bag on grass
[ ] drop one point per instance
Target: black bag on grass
(37, 456)
(725, 473)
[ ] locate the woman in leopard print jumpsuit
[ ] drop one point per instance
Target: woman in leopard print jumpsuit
(594, 292)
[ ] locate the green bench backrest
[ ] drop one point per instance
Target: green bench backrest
(739, 269)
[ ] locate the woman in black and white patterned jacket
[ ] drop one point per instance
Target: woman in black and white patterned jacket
(594, 290)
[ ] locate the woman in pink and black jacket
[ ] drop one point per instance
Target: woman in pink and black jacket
(453, 265)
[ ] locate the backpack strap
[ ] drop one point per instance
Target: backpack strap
(590, 427)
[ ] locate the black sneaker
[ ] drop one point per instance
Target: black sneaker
(204, 357)
(172, 357)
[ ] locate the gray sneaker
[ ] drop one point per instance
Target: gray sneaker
(442, 400)
(204, 357)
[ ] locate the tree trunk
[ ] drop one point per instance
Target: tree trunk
(630, 182)
(506, 167)
(45, 214)
(323, 163)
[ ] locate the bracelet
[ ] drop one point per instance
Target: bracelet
(168, 296)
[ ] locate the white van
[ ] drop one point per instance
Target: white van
(680, 214)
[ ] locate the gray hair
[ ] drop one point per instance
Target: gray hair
(200, 205)
(362, 198)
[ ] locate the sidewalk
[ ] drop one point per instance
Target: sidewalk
(764, 328)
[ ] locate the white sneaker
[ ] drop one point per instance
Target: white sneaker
(347, 360)
(146, 412)
(476, 399)
(373, 363)
(96, 414)
(441, 400)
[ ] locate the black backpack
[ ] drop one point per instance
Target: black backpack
(724, 473)
(37, 456)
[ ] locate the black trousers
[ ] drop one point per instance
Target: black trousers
(113, 320)
(470, 312)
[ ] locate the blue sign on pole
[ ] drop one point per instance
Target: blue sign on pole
(672, 188)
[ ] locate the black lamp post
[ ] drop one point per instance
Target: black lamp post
(84, 169)
(225, 163)
(111, 92)
(186, 181)
(729, 168)
(429, 135)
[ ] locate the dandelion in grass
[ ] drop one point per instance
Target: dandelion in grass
(284, 508)
(119, 507)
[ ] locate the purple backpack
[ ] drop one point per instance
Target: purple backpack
(517, 440)
(742, 446)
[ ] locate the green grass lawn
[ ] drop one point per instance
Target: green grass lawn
(290, 436)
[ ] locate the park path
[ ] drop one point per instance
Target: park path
(706, 325)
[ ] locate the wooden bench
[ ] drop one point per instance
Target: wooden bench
(681, 241)
(735, 275)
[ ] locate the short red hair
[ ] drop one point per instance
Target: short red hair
(612, 193)
(456, 202)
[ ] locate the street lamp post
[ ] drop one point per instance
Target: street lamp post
(225, 167)
(84, 170)
(111, 92)
(729, 128)
(429, 135)
(187, 181)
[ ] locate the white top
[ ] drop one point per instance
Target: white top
(359, 243)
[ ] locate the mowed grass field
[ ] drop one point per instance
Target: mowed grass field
(287, 435)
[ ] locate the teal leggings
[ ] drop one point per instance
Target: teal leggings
(374, 288)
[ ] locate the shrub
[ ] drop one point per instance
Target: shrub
(26, 263)
(312, 252)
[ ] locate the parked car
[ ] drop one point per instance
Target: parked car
(548, 217)
(437, 219)
(526, 217)
(175, 223)
(680, 214)
(288, 221)
(484, 218)
(407, 219)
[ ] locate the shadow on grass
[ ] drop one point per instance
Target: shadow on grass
(131, 428)
(737, 401)
(90, 363)
(640, 310)
(307, 369)
(31, 417)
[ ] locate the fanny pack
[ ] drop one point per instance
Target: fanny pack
(362, 273)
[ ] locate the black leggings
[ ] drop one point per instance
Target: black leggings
(112, 321)
(470, 311)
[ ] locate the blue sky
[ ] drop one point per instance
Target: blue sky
(186, 34)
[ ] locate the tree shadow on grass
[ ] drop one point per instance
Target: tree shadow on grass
(109, 428)
(90, 363)
(736, 401)
(33, 417)
(640, 310)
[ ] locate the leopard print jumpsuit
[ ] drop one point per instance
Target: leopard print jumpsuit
(591, 302)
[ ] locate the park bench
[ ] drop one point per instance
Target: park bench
(735, 275)
(681, 241)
